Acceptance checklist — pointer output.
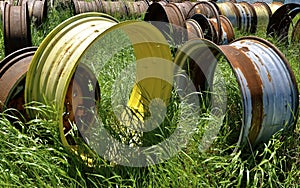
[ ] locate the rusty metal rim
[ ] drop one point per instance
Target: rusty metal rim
(194, 26)
(294, 108)
(275, 5)
(14, 59)
(168, 18)
(228, 29)
(100, 4)
(278, 52)
(231, 6)
(37, 8)
(42, 12)
(80, 6)
(251, 18)
(114, 7)
(24, 28)
(215, 12)
(79, 97)
(156, 8)
(210, 4)
(141, 4)
(182, 6)
(75, 6)
(204, 22)
(265, 5)
(249, 134)
(281, 19)
(263, 13)
(178, 13)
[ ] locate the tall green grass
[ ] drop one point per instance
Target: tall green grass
(33, 156)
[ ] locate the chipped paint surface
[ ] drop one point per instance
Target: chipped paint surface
(267, 84)
(277, 93)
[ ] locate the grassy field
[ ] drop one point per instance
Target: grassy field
(32, 154)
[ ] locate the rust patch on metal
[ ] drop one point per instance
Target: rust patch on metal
(251, 17)
(229, 10)
(13, 69)
(194, 30)
(16, 28)
(245, 49)
(239, 60)
(227, 28)
(37, 10)
(80, 101)
(209, 10)
(269, 77)
(87, 6)
(184, 7)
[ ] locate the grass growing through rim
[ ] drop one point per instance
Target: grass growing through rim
(34, 156)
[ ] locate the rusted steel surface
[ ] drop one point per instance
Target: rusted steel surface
(13, 70)
(208, 29)
(227, 30)
(268, 88)
(194, 30)
(114, 8)
(136, 7)
(248, 18)
(37, 10)
(242, 15)
(169, 13)
(16, 28)
(263, 13)
(281, 21)
(169, 20)
(229, 10)
(2, 3)
(120, 8)
(79, 100)
(177, 13)
(184, 7)
(81, 6)
(207, 8)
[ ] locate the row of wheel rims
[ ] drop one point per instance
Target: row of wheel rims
(50, 76)
(17, 20)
